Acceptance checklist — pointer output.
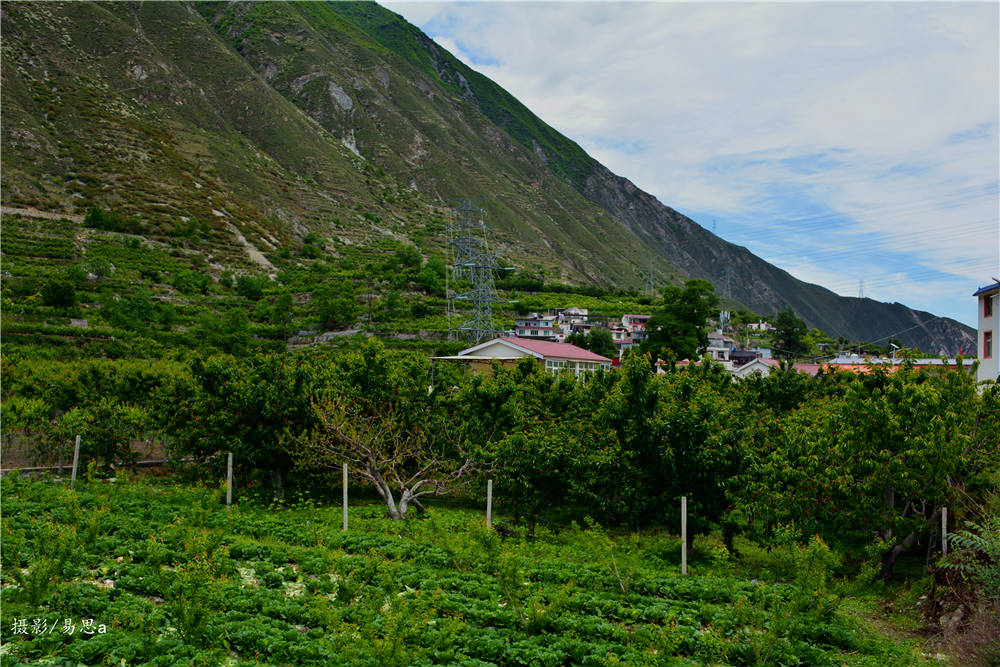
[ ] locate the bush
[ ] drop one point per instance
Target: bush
(251, 287)
(59, 293)
(97, 218)
(105, 429)
(189, 282)
(978, 557)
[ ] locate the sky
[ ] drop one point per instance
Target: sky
(853, 144)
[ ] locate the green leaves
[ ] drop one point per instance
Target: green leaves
(790, 334)
(878, 458)
(677, 329)
(106, 429)
(257, 588)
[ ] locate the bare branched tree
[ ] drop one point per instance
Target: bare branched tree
(402, 461)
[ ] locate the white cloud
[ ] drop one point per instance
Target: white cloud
(874, 121)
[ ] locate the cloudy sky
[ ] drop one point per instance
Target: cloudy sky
(853, 144)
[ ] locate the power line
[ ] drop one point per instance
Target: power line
(898, 239)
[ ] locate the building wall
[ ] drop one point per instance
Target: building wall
(989, 360)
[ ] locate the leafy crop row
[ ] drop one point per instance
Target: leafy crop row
(176, 578)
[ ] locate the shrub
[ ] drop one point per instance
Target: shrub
(59, 293)
(250, 287)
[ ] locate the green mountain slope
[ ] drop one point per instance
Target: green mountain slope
(262, 122)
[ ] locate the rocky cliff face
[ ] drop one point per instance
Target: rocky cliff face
(270, 120)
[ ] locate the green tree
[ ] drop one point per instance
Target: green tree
(135, 312)
(100, 267)
(880, 460)
(431, 276)
(598, 340)
(630, 411)
(552, 455)
(282, 311)
(676, 329)
(106, 429)
(255, 407)
(702, 448)
(602, 342)
(790, 334)
(390, 306)
(187, 281)
(251, 287)
(407, 257)
(385, 418)
(227, 332)
(59, 293)
(335, 308)
(399, 449)
(313, 246)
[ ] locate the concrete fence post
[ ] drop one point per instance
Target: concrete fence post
(489, 503)
(76, 461)
(345, 496)
(684, 535)
(229, 479)
(944, 531)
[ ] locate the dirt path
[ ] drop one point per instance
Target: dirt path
(255, 255)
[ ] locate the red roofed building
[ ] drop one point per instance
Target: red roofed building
(510, 350)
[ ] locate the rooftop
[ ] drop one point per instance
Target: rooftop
(989, 288)
(550, 349)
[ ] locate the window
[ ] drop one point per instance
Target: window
(987, 344)
(988, 306)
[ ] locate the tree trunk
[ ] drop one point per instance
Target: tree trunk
(728, 536)
(396, 513)
(404, 503)
(279, 484)
(890, 557)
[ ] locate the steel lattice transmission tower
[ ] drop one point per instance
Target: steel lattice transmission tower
(473, 261)
(648, 276)
(468, 234)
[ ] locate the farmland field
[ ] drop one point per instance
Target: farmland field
(159, 572)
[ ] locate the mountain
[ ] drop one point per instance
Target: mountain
(262, 122)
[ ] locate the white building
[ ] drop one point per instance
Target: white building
(720, 346)
(988, 336)
(536, 326)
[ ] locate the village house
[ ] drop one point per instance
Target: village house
(760, 326)
(542, 327)
(720, 347)
(553, 325)
(509, 351)
(630, 333)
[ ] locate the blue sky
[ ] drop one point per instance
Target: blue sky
(853, 144)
